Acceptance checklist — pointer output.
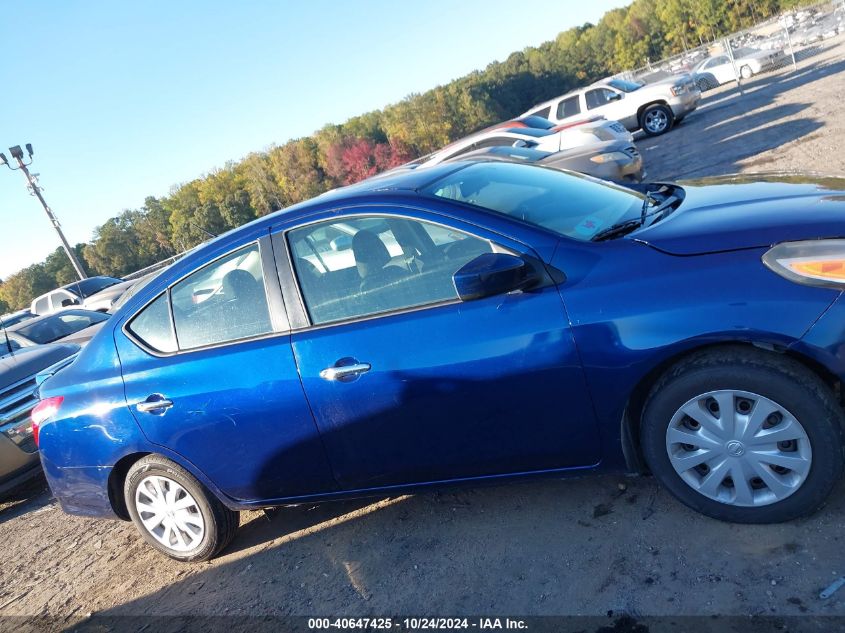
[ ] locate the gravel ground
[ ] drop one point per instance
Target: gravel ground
(579, 546)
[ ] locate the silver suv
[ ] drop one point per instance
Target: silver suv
(653, 108)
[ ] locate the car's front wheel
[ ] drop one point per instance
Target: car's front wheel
(175, 513)
(656, 120)
(746, 72)
(743, 436)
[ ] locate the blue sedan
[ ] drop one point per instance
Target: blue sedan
(477, 322)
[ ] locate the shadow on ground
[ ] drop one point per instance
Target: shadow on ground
(578, 547)
(732, 125)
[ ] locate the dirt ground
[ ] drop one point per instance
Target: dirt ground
(580, 546)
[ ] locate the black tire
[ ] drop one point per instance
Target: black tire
(660, 112)
(705, 84)
(778, 378)
(745, 72)
(220, 523)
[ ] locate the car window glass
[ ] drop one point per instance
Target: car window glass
(59, 325)
(542, 112)
(152, 326)
(224, 301)
(568, 107)
(563, 202)
(598, 97)
(392, 264)
(496, 141)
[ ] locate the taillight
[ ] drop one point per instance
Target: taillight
(43, 411)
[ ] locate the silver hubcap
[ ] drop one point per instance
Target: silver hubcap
(169, 513)
(656, 121)
(738, 448)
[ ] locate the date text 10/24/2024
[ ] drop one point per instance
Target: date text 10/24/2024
(417, 623)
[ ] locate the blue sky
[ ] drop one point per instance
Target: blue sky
(126, 99)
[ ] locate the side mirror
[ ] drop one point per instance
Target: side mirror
(69, 302)
(616, 96)
(492, 274)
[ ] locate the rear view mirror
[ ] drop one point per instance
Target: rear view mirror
(493, 274)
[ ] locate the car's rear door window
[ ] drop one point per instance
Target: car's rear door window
(224, 301)
(152, 326)
(569, 107)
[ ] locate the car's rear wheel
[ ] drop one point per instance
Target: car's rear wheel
(656, 120)
(175, 513)
(743, 436)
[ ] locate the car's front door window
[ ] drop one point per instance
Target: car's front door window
(599, 97)
(362, 266)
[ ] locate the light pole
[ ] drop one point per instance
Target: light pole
(35, 190)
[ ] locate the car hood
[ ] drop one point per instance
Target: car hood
(756, 211)
(31, 360)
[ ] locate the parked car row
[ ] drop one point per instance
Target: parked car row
(19, 375)
(34, 345)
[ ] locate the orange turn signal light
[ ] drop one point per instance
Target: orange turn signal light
(832, 269)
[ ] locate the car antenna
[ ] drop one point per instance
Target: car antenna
(199, 228)
(8, 343)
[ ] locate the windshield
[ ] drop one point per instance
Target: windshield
(570, 204)
(624, 86)
(92, 285)
(52, 328)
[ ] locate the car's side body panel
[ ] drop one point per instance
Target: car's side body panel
(628, 322)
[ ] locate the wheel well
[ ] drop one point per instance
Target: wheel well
(630, 431)
(648, 105)
(116, 481)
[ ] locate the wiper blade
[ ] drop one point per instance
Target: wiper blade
(626, 226)
(619, 228)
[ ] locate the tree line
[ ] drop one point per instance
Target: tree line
(340, 154)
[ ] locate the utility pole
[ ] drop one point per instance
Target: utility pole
(35, 190)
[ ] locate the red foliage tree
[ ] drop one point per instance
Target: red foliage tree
(355, 159)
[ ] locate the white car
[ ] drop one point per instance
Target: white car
(553, 140)
(748, 62)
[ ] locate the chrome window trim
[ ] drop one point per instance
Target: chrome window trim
(263, 243)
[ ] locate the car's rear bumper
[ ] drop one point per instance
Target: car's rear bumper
(81, 491)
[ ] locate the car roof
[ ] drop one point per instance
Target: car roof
(72, 284)
(504, 153)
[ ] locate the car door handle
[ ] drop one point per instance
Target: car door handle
(154, 403)
(345, 371)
